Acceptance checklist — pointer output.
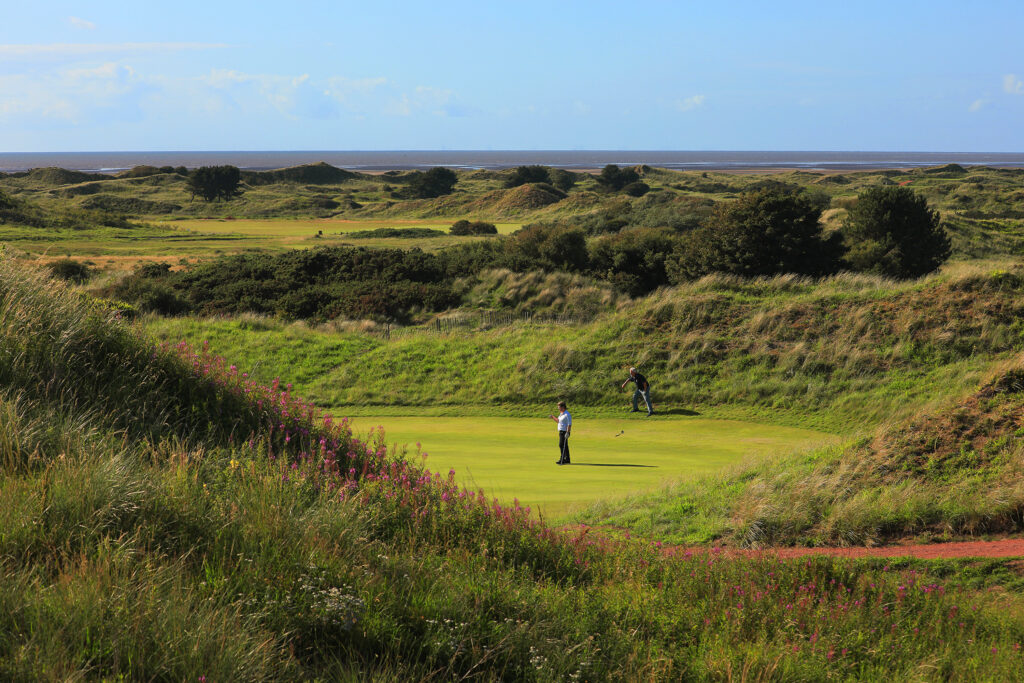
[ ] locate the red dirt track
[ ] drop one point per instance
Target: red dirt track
(1009, 547)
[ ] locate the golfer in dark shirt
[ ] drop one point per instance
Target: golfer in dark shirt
(643, 390)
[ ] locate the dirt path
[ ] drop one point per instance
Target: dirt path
(1008, 547)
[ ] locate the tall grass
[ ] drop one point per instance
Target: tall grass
(188, 548)
(840, 354)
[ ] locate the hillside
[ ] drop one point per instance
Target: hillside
(953, 469)
(841, 354)
(163, 516)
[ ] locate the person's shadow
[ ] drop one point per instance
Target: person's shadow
(607, 464)
(677, 411)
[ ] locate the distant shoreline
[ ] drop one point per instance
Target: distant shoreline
(580, 161)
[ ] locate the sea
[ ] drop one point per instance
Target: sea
(376, 161)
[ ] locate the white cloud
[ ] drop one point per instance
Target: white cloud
(110, 91)
(1013, 85)
(91, 91)
(690, 103)
(977, 105)
(82, 23)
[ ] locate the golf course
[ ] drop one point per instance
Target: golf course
(514, 458)
(300, 430)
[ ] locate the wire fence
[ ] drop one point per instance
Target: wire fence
(483, 320)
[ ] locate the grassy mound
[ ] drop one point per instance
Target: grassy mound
(320, 173)
(127, 205)
(527, 197)
(52, 175)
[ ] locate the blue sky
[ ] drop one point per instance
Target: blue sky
(377, 74)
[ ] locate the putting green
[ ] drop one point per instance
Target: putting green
(515, 457)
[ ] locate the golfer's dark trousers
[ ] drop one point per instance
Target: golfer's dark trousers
(563, 448)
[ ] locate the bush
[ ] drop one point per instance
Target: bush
(613, 178)
(433, 183)
(768, 232)
(465, 227)
(636, 189)
(548, 247)
(562, 179)
(395, 233)
(891, 231)
(528, 174)
(71, 270)
(634, 261)
(315, 283)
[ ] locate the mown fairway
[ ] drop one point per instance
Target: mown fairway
(515, 457)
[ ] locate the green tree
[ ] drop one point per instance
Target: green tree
(762, 233)
(433, 183)
(613, 178)
(891, 231)
(546, 246)
(528, 174)
(634, 260)
(215, 182)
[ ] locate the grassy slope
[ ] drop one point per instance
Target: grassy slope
(849, 355)
(143, 537)
(954, 469)
(840, 355)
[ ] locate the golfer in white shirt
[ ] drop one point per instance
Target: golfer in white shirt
(564, 421)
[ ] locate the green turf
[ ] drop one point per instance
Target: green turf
(515, 457)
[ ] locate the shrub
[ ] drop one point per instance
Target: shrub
(891, 231)
(636, 189)
(634, 261)
(465, 227)
(763, 233)
(433, 183)
(71, 270)
(528, 174)
(613, 178)
(549, 247)
(562, 179)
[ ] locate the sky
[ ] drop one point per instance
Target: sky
(492, 75)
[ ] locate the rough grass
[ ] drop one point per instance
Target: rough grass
(841, 354)
(183, 548)
(952, 470)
